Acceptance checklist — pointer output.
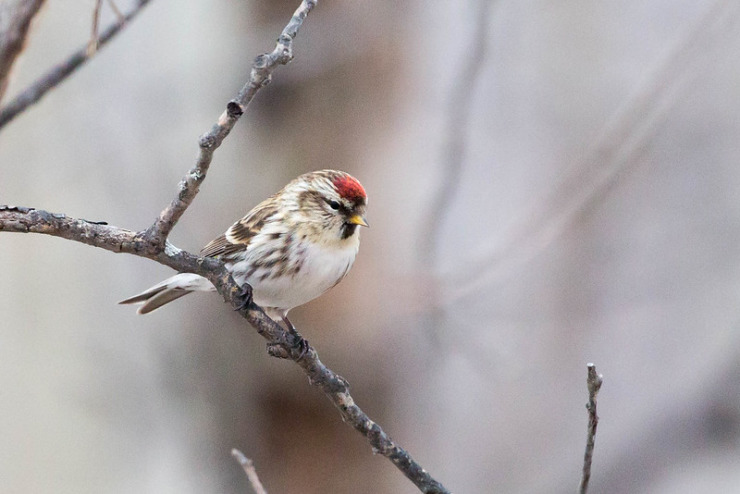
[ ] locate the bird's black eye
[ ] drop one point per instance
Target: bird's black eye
(334, 205)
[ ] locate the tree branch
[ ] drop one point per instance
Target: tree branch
(152, 244)
(613, 154)
(454, 151)
(15, 19)
(59, 73)
(334, 386)
(260, 76)
(249, 469)
(92, 45)
(593, 382)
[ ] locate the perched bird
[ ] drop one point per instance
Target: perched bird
(290, 248)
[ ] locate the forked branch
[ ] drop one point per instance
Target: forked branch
(64, 69)
(152, 244)
(260, 76)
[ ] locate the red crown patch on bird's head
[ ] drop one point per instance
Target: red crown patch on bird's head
(349, 188)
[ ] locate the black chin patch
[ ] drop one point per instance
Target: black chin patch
(348, 229)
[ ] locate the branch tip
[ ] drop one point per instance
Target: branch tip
(248, 466)
(594, 381)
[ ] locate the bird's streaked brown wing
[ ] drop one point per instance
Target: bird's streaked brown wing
(238, 236)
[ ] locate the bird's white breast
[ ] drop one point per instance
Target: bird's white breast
(322, 267)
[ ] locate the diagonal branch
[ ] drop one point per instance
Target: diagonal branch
(60, 72)
(334, 386)
(260, 76)
(613, 154)
(15, 19)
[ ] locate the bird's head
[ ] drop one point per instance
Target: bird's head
(332, 203)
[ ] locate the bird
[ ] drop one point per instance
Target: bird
(290, 248)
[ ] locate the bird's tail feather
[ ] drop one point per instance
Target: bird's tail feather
(168, 290)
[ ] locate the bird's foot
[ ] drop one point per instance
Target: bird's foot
(243, 297)
(278, 351)
(299, 343)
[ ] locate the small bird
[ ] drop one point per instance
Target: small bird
(291, 248)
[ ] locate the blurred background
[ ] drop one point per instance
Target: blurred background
(550, 183)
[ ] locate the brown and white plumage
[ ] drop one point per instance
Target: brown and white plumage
(290, 248)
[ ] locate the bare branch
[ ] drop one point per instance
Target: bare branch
(92, 45)
(119, 14)
(334, 386)
(260, 76)
(249, 469)
(59, 73)
(100, 234)
(593, 382)
(15, 19)
(153, 244)
(458, 109)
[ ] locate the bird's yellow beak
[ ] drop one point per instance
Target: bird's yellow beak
(357, 220)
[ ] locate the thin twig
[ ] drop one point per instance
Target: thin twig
(60, 72)
(459, 109)
(249, 469)
(15, 19)
(92, 45)
(593, 383)
(117, 11)
(260, 76)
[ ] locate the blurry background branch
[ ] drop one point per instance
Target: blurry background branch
(593, 384)
(614, 151)
(15, 20)
(459, 109)
(64, 69)
(92, 45)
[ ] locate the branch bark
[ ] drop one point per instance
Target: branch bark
(593, 383)
(334, 386)
(249, 469)
(260, 76)
(153, 244)
(15, 20)
(63, 70)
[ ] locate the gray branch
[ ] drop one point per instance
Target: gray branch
(260, 76)
(15, 19)
(280, 342)
(593, 383)
(153, 244)
(249, 469)
(63, 70)
(613, 154)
